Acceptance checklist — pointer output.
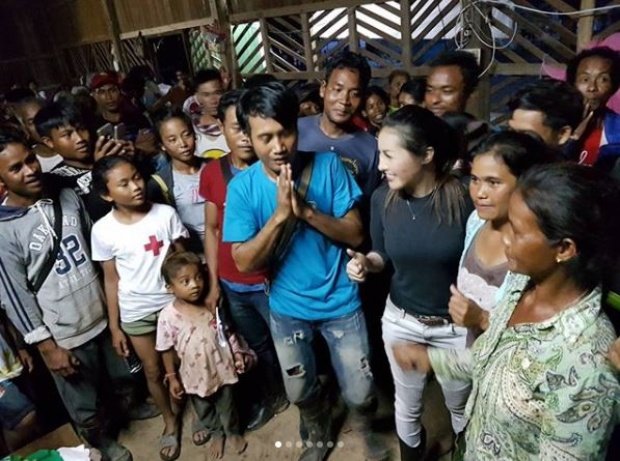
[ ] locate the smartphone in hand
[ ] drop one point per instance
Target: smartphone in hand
(107, 131)
(120, 132)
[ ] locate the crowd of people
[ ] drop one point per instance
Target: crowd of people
(247, 249)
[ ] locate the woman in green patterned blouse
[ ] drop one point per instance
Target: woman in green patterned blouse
(543, 387)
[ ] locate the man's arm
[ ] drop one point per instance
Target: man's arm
(19, 302)
(347, 230)
(253, 254)
(111, 279)
(211, 244)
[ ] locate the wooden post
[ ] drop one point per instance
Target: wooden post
(584, 25)
(480, 103)
(353, 37)
(220, 12)
(114, 30)
(307, 38)
(265, 36)
(405, 35)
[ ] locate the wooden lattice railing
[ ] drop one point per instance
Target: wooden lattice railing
(293, 43)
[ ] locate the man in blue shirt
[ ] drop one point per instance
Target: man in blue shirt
(309, 290)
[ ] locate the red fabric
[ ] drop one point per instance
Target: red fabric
(213, 189)
(591, 145)
(359, 122)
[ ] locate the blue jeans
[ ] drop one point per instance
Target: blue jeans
(249, 312)
(347, 340)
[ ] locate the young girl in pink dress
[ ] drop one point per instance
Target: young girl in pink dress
(209, 359)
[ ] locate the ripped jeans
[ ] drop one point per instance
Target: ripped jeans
(347, 340)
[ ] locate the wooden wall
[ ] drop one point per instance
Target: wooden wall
(77, 22)
(256, 6)
(156, 13)
(26, 48)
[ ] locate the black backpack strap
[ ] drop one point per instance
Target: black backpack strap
(226, 168)
(51, 260)
(291, 224)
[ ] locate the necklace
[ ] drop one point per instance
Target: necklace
(410, 210)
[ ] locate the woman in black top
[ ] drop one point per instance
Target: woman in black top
(418, 227)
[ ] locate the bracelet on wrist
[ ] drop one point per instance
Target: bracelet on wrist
(167, 377)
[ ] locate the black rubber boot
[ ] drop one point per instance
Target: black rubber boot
(316, 420)
(408, 453)
(361, 422)
(110, 449)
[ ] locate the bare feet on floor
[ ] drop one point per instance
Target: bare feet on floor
(215, 448)
(237, 443)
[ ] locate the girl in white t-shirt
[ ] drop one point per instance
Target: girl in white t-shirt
(131, 242)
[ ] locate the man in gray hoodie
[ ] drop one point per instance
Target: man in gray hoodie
(50, 289)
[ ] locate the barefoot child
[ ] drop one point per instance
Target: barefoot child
(209, 362)
(132, 241)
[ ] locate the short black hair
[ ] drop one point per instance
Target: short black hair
(15, 95)
(272, 100)
(175, 114)
(103, 166)
(576, 202)
(352, 61)
(206, 75)
(374, 89)
(603, 52)
(398, 73)
(56, 115)
(560, 103)
(466, 62)
(228, 99)
(518, 151)
(416, 88)
(176, 261)
(10, 134)
(258, 80)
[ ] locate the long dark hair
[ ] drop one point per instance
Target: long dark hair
(579, 203)
(419, 129)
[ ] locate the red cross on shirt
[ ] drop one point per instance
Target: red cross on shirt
(154, 245)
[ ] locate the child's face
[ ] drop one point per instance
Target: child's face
(376, 109)
(178, 140)
(125, 186)
(187, 284)
(72, 143)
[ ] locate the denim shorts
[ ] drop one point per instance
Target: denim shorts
(14, 406)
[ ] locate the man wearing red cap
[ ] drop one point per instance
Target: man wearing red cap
(113, 108)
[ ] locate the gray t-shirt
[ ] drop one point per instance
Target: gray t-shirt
(190, 206)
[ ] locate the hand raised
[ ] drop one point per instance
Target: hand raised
(284, 184)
